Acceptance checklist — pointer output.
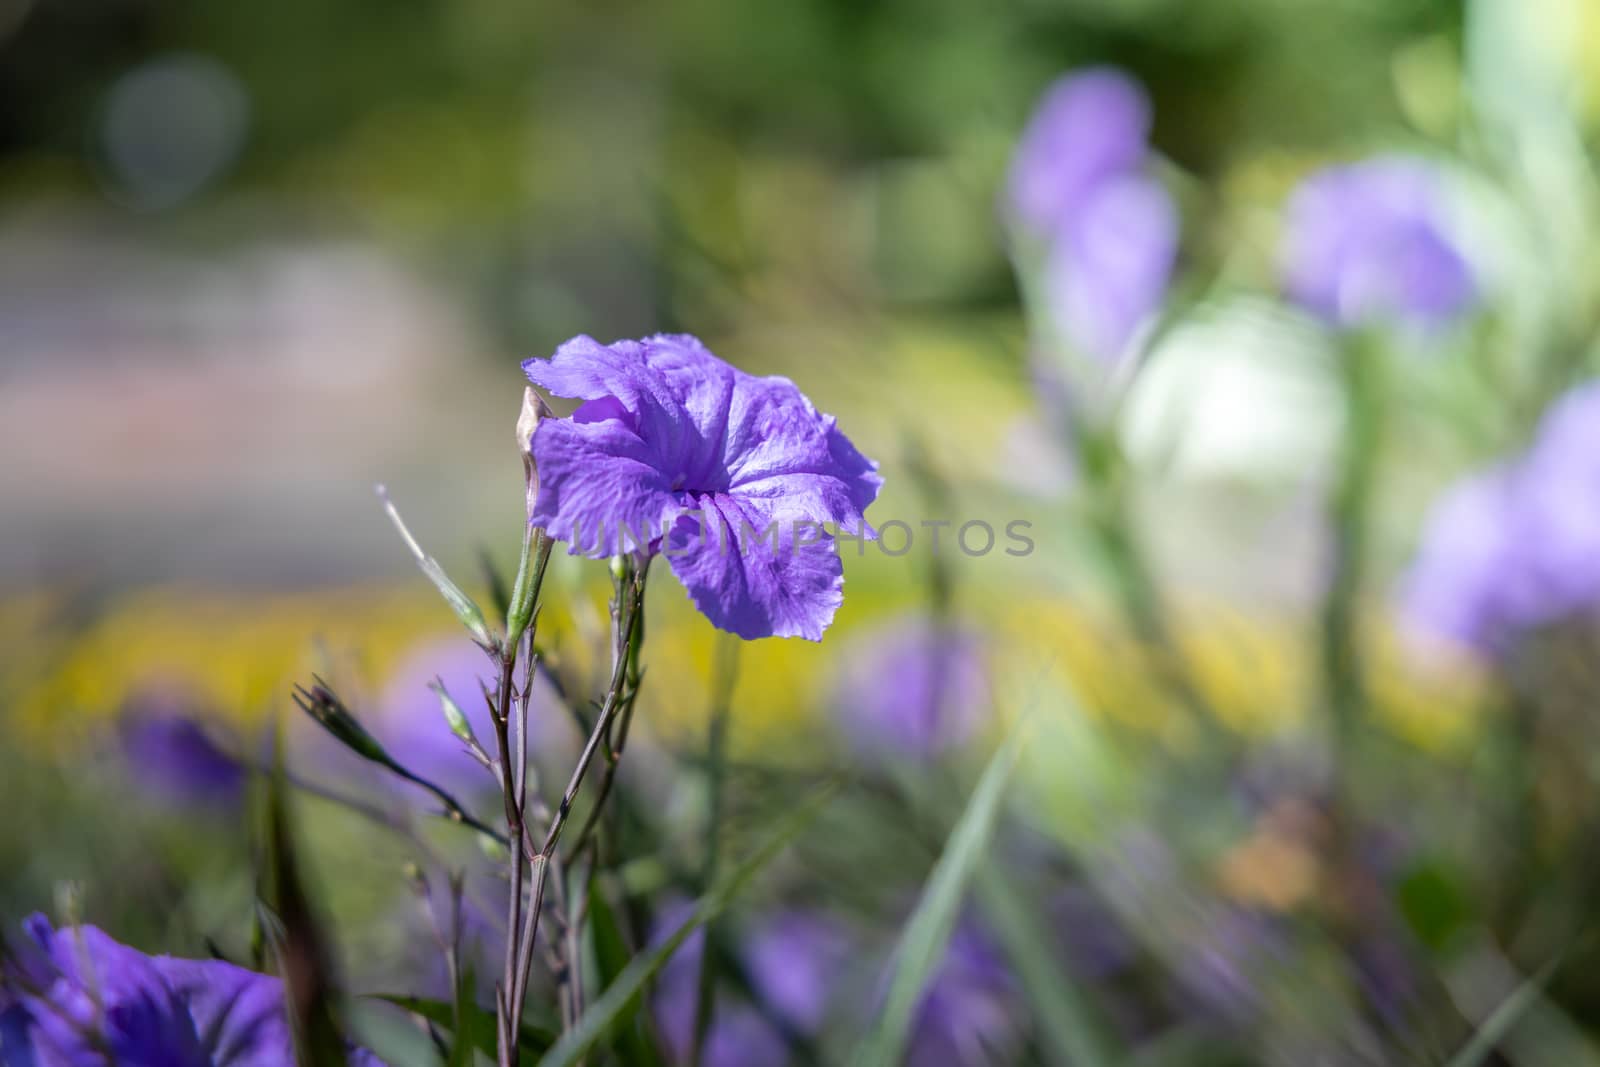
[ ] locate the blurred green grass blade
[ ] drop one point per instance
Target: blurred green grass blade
(468, 1017)
(626, 991)
(299, 942)
(481, 1025)
(927, 935)
(1066, 1025)
(1507, 1015)
(631, 1044)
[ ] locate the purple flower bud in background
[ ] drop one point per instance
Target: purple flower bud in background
(667, 431)
(1371, 242)
(913, 689)
(1088, 129)
(171, 757)
(1108, 272)
(968, 1015)
(77, 998)
(1518, 547)
(1080, 189)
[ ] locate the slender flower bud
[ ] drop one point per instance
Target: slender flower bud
(323, 705)
(535, 544)
(453, 713)
(534, 411)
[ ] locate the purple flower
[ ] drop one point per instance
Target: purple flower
(674, 449)
(172, 758)
(914, 688)
(1080, 185)
(967, 1016)
(77, 998)
(1370, 241)
(737, 1036)
(1518, 547)
(795, 961)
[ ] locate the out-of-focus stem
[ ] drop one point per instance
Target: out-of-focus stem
(1116, 532)
(724, 676)
(1362, 374)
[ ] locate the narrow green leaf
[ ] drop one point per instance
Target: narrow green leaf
(927, 935)
(466, 609)
(627, 989)
(297, 936)
(1506, 1016)
(468, 1018)
(631, 1043)
(481, 1026)
(1066, 1025)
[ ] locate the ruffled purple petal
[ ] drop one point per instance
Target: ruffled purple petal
(781, 450)
(749, 571)
(103, 995)
(602, 488)
(239, 1014)
(78, 996)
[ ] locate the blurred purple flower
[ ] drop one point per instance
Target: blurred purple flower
(1219, 967)
(668, 429)
(795, 961)
(1088, 128)
(77, 998)
(1516, 548)
(412, 725)
(409, 722)
(1370, 241)
(967, 1016)
(1108, 273)
(1079, 185)
(1559, 497)
(737, 1036)
(1465, 583)
(914, 688)
(172, 758)
(1092, 938)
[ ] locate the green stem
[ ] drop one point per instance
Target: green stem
(1116, 532)
(1350, 521)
